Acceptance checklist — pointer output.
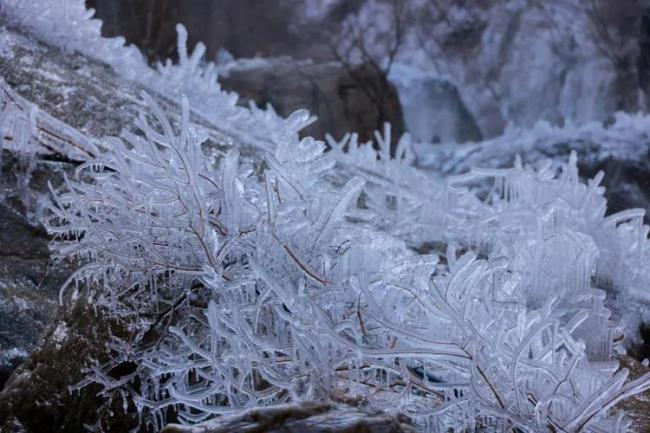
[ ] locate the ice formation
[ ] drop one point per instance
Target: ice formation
(513, 61)
(305, 274)
(270, 294)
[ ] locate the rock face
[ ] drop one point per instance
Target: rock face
(38, 397)
(28, 285)
(73, 90)
(307, 417)
(345, 100)
(62, 343)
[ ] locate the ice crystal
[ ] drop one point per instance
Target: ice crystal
(267, 291)
(475, 300)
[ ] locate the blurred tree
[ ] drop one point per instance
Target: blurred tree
(615, 26)
(148, 24)
(644, 48)
(246, 28)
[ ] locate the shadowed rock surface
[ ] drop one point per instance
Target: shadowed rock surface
(637, 408)
(358, 99)
(39, 395)
(306, 417)
(28, 284)
(69, 89)
(36, 397)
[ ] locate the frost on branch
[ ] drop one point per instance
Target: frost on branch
(186, 245)
(491, 298)
(69, 25)
(540, 215)
(549, 243)
(266, 284)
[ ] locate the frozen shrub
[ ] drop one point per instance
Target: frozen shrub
(263, 287)
(280, 277)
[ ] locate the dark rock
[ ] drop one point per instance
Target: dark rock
(302, 418)
(641, 350)
(28, 284)
(358, 99)
(39, 396)
(245, 28)
(636, 408)
(13, 426)
(627, 181)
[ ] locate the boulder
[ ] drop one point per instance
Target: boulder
(48, 347)
(345, 99)
(79, 101)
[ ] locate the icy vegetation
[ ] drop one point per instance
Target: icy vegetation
(479, 300)
(269, 293)
(625, 138)
(69, 25)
